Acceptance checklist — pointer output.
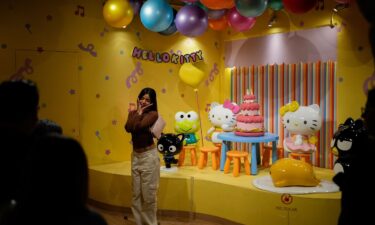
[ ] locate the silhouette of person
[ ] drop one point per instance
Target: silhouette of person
(54, 188)
(354, 183)
(18, 116)
(145, 162)
(46, 126)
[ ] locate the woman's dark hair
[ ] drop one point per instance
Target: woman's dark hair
(151, 92)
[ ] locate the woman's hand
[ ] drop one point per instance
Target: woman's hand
(141, 109)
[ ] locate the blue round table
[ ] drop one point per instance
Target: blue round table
(229, 137)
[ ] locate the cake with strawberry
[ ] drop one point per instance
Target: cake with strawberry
(249, 121)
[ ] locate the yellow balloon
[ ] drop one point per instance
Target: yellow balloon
(191, 75)
(118, 13)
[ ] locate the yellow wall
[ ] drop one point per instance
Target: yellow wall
(88, 95)
(96, 111)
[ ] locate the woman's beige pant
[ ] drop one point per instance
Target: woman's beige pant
(145, 183)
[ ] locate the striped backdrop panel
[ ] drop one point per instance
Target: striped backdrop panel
(276, 85)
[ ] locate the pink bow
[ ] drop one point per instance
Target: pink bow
(233, 107)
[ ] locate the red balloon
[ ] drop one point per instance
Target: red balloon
(299, 6)
(218, 4)
(218, 24)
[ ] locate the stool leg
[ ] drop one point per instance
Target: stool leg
(205, 159)
(247, 165)
(217, 159)
(227, 164)
(181, 157)
(214, 163)
(236, 166)
(201, 160)
(266, 157)
(193, 157)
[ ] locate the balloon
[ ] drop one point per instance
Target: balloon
(136, 5)
(189, 1)
(218, 4)
(118, 13)
(156, 15)
(239, 22)
(299, 6)
(191, 75)
(191, 21)
(251, 8)
(219, 24)
(172, 29)
(344, 1)
(215, 14)
(276, 4)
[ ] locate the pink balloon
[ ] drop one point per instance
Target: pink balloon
(239, 22)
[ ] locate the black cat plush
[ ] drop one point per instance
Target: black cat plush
(170, 145)
(346, 143)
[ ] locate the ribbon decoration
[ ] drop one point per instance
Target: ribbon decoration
(292, 107)
(233, 107)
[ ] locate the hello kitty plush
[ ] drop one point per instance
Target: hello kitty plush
(222, 118)
(302, 122)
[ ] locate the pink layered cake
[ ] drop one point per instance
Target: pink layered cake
(249, 122)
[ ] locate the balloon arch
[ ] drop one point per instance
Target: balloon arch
(195, 16)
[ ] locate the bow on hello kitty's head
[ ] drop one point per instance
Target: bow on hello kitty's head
(233, 107)
(292, 107)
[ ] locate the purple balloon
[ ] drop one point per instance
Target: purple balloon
(216, 14)
(239, 22)
(136, 5)
(191, 21)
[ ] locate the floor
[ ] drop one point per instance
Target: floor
(119, 218)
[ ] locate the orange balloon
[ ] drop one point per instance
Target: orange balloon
(118, 13)
(218, 4)
(218, 24)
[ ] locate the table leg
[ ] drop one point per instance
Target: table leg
(224, 149)
(274, 152)
(254, 169)
(258, 153)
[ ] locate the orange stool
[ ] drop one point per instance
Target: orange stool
(306, 157)
(193, 155)
(214, 157)
(266, 156)
(219, 146)
(236, 156)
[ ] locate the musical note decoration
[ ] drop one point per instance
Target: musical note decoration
(90, 49)
(105, 30)
(132, 77)
(80, 11)
(28, 28)
(26, 68)
(214, 72)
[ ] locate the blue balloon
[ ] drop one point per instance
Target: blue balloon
(156, 15)
(172, 29)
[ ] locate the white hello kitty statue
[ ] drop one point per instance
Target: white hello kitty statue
(222, 118)
(302, 122)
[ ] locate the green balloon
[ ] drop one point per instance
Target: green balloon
(275, 4)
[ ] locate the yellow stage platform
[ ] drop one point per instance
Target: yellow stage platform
(208, 192)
